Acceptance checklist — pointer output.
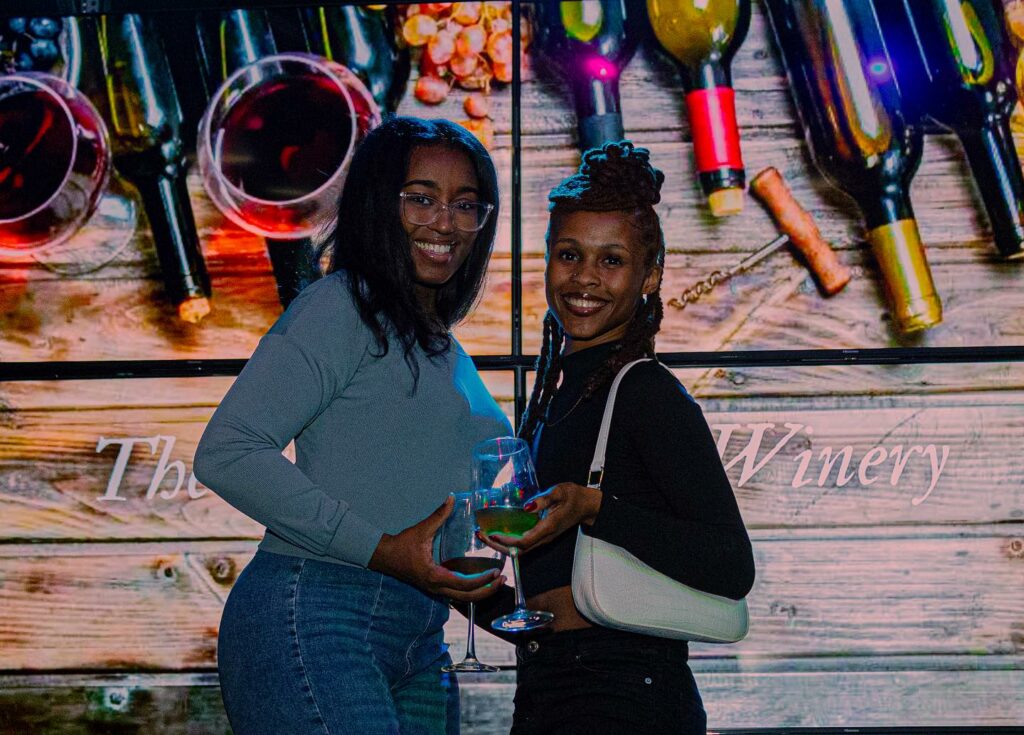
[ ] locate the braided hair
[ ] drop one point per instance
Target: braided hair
(616, 177)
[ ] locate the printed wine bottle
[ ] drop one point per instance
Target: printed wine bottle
(702, 36)
(228, 41)
(589, 43)
(145, 125)
(849, 105)
(951, 59)
(361, 38)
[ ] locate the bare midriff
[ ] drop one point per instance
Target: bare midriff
(559, 601)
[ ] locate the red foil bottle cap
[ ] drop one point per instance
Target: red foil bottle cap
(716, 137)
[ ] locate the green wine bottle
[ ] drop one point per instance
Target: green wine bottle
(849, 105)
(951, 60)
(145, 125)
(702, 36)
(589, 43)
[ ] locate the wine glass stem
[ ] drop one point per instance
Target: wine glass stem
(520, 600)
(471, 638)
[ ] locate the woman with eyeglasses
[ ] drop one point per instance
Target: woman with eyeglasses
(337, 623)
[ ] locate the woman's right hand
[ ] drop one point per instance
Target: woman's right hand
(408, 556)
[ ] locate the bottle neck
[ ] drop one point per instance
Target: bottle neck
(886, 205)
(598, 111)
(997, 172)
(294, 269)
(708, 73)
(163, 188)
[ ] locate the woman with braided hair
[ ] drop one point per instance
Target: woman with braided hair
(664, 495)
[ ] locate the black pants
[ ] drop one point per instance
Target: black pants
(598, 681)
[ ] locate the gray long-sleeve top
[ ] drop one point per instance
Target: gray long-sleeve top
(372, 456)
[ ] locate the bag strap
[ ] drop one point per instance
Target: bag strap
(597, 464)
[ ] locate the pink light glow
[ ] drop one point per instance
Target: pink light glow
(600, 68)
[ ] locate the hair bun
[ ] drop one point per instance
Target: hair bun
(617, 175)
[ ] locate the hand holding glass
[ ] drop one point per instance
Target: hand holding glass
(504, 474)
(462, 552)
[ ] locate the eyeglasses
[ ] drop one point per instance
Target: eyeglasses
(467, 215)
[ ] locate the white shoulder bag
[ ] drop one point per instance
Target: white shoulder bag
(613, 588)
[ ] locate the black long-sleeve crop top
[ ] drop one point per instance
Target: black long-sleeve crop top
(666, 495)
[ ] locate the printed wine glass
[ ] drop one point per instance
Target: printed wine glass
(276, 140)
(504, 474)
(56, 178)
(462, 552)
(54, 160)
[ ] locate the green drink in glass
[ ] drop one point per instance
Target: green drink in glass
(506, 480)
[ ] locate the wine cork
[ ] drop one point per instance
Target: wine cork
(726, 202)
(194, 309)
(770, 188)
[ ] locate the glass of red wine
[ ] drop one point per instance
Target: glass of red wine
(506, 480)
(54, 161)
(461, 551)
(276, 140)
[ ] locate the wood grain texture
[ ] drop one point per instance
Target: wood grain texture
(138, 607)
(935, 692)
(60, 444)
(867, 609)
(174, 704)
(794, 461)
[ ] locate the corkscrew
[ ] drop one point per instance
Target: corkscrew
(705, 286)
(797, 227)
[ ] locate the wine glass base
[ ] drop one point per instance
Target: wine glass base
(470, 665)
(522, 620)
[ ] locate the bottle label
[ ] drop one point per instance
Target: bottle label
(908, 279)
(716, 137)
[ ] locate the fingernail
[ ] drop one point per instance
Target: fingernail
(530, 507)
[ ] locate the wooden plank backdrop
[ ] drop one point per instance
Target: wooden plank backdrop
(103, 460)
(886, 503)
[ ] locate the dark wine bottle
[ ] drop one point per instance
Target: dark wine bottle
(951, 61)
(702, 37)
(589, 43)
(228, 41)
(362, 40)
(849, 105)
(145, 125)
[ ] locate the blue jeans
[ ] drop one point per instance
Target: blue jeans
(313, 648)
(597, 680)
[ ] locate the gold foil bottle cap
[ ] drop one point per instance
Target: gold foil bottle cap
(726, 202)
(919, 314)
(908, 279)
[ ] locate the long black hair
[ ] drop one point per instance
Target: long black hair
(616, 177)
(369, 242)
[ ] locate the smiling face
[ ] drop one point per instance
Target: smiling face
(597, 270)
(438, 249)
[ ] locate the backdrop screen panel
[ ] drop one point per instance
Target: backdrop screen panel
(90, 268)
(888, 532)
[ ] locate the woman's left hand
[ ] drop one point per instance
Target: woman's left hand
(567, 505)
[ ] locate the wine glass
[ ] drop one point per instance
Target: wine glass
(504, 475)
(461, 551)
(56, 180)
(276, 140)
(54, 161)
